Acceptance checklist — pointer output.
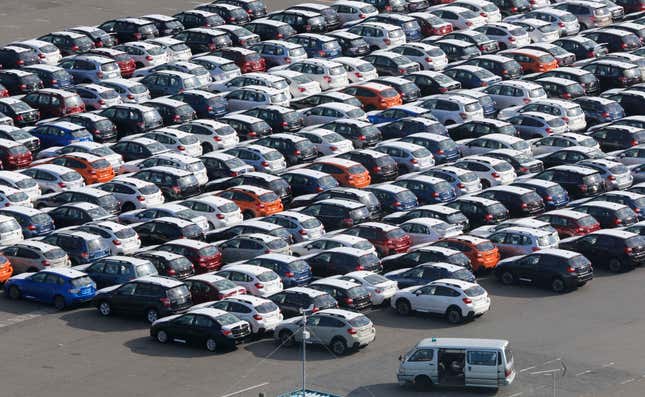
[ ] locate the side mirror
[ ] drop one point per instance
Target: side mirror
(400, 357)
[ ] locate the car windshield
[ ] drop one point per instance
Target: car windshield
(108, 201)
(395, 233)
(187, 181)
(55, 253)
(299, 266)
(149, 189)
(18, 197)
(360, 321)
(156, 50)
(311, 223)
(368, 259)
(227, 319)
(210, 250)
(94, 245)
(592, 179)
(463, 274)
(79, 282)
(278, 98)
(183, 47)
(357, 292)
(26, 183)
(178, 292)
(101, 163)
(473, 107)
(268, 197)
(126, 232)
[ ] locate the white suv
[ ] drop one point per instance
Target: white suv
(430, 57)
(328, 74)
(133, 193)
(262, 314)
(507, 35)
(456, 299)
(452, 108)
(379, 35)
(491, 171)
(219, 212)
(380, 288)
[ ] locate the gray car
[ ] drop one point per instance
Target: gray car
(91, 68)
(462, 181)
(538, 125)
(262, 158)
(32, 256)
(301, 226)
(279, 52)
(249, 246)
(517, 240)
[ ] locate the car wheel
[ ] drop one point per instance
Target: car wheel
(152, 315)
(211, 345)
(105, 308)
(557, 285)
(162, 336)
(507, 278)
(454, 315)
(338, 346)
(59, 302)
(247, 215)
(286, 338)
(422, 382)
(14, 292)
(207, 147)
(128, 206)
(403, 307)
(615, 266)
(485, 183)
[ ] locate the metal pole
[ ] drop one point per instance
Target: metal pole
(304, 350)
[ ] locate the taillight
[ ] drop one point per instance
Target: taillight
(618, 221)
(352, 331)
(75, 48)
(508, 372)
(561, 24)
(414, 161)
(44, 263)
(488, 217)
(571, 269)
(387, 41)
(226, 332)
(463, 115)
(171, 272)
(217, 138)
(349, 301)
(362, 138)
(265, 164)
(31, 227)
(549, 198)
(302, 232)
(461, 185)
(257, 317)
(62, 184)
(524, 205)
(327, 79)
(297, 152)
(259, 286)
(116, 242)
(358, 74)
(362, 16)
(467, 300)
(137, 35)
(526, 100)
(165, 302)
(289, 274)
(495, 175)
(149, 57)
(141, 198)
(628, 250)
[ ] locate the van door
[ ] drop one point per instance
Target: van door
(423, 362)
(481, 367)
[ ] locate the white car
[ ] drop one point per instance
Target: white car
(252, 79)
(130, 91)
(507, 35)
(262, 314)
(177, 50)
(353, 11)
(52, 178)
(178, 161)
(331, 111)
(358, 70)
(167, 210)
(515, 93)
(212, 134)
(554, 143)
(257, 280)
(379, 35)
(456, 299)
(220, 69)
(21, 182)
(300, 85)
(484, 8)
(380, 288)
(490, 142)
(47, 52)
(10, 196)
(219, 211)
(328, 142)
(145, 54)
(121, 239)
(10, 231)
(570, 112)
(491, 171)
(97, 97)
(252, 96)
(429, 56)
(408, 156)
(443, 108)
(427, 230)
(328, 74)
(539, 31)
(133, 193)
(175, 140)
(461, 18)
(332, 241)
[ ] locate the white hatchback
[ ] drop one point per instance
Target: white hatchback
(257, 280)
(262, 314)
(219, 211)
(380, 288)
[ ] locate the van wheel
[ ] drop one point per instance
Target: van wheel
(453, 315)
(422, 382)
(286, 338)
(615, 266)
(207, 147)
(507, 278)
(14, 292)
(557, 285)
(59, 302)
(128, 206)
(403, 307)
(338, 346)
(152, 315)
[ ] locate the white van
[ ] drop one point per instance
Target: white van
(458, 362)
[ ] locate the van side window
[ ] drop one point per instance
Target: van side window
(482, 358)
(423, 355)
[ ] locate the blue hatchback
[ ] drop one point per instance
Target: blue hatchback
(394, 198)
(396, 113)
(305, 181)
(293, 271)
(554, 195)
(318, 45)
(60, 133)
(443, 148)
(34, 223)
(62, 287)
(428, 189)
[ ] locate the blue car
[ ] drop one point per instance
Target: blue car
(394, 198)
(62, 287)
(81, 247)
(52, 76)
(472, 76)
(428, 189)
(113, 270)
(293, 271)
(443, 148)
(318, 45)
(428, 272)
(60, 133)
(633, 200)
(396, 113)
(554, 195)
(34, 223)
(304, 181)
(600, 110)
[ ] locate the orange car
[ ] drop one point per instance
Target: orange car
(346, 172)
(92, 168)
(533, 61)
(253, 201)
(374, 95)
(5, 269)
(482, 253)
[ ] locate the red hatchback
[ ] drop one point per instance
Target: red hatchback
(124, 60)
(247, 60)
(387, 239)
(14, 155)
(51, 102)
(205, 257)
(570, 223)
(211, 287)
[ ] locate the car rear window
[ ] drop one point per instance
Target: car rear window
(356, 292)
(9, 226)
(578, 261)
(587, 221)
(537, 92)
(389, 93)
(503, 166)
(186, 181)
(108, 201)
(55, 253)
(356, 169)
(70, 176)
(395, 233)
(368, 259)
(624, 213)
(473, 107)
(18, 149)
(592, 179)
(550, 239)
(360, 321)
(83, 281)
(127, 232)
(149, 189)
(267, 276)
(360, 213)
(311, 223)
(73, 101)
(485, 246)
(325, 300)
(223, 285)
(101, 163)
(18, 197)
(462, 274)
(277, 244)
(94, 244)
(633, 72)
(268, 197)
(475, 290)
(405, 196)
(181, 263)
(145, 270)
(266, 307)
(210, 250)
(496, 208)
(228, 207)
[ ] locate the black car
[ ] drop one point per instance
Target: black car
(600, 110)
(349, 295)
(280, 119)
(20, 82)
(617, 250)
(102, 129)
(352, 44)
(294, 148)
(292, 301)
(344, 193)
(69, 43)
(100, 38)
(411, 125)
(247, 127)
(255, 8)
(271, 30)
(558, 269)
(609, 214)
(232, 14)
(429, 254)
(408, 91)
(138, 148)
(342, 260)
(324, 97)
(581, 47)
(458, 50)
(586, 79)
(503, 66)
(13, 57)
(618, 137)
(302, 21)
(206, 104)
(260, 179)
(130, 29)
(222, 165)
(556, 87)
(203, 39)
(164, 229)
(168, 263)
(428, 272)
(578, 181)
(103, 199)
(172, 111)
(615, 39)
(361, 133)
(393, 197)
(392, 64)
(78, 213)
(198, 19)
(174, 183)
(381, 166)
(337, 214)
(478, 128)
(433, 82)
(511, 7)
(520, 201)
(20, 112)
(631, 101)
(480, 211)
(249, 227)
(166, 25)
(612, 73)
(133, 118)
(152, 297)
(485, 45)
(570, 155)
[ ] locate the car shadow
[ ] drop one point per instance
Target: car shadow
(23, 306)
(88, 319)
(147, 346)
(269, 349)
(391, 319)
(520, 290)
(394, 389)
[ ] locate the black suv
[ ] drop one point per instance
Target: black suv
(558, 269)
(280, 119)
(324, 97)
(138, 148)
(617, 250)
(172, 111)
(130, 29)
(204, 40)
(478, 128)
(586, 79)
(20, 82)
(152, 296)
(164, 229)
(133, 118)
(578, 181)
(609, 214)
(411, 125)
(175, 184)
(344, 193)
(382, 167)
(103, 199)
(199, 18)
(361, 133)
(520, 201)
(614, 39)
(168, 263)
(337, 214)
(426, 255)
(206, 104)
(480, 211)
(291, 301)
(22, 114)
(343, 260)
(505, 67)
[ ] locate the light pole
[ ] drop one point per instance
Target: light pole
(305, 336)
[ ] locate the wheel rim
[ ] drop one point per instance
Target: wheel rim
(14, 292)
(59, 302)
(557, 285)
(614, 265)
(152, 316)
(211, 345)
(285, 337)
(453, 316)
(104, 308)
(403, 308)
(162, 336)
(338, 347)
(507, 278)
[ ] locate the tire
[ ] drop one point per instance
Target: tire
(485, 183)
(40, 206)
(59, 302)
(105, 308)
(162, 336)
(557, 285)
(338, 346)
(507, 278)
(422, 382)
(211, 345)
(615, 266)
(207, 147)
(247, 215)
(286, 338)
(454, 316)
(403, 307)
(14, 292)
(502, 46)
(152, 315)
(127, 206)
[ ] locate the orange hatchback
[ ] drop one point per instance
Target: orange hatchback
(92, 168)
(533, 61)
(374, 95)
(5, 269)
(347, 172)
(253, 201)
(482, 253)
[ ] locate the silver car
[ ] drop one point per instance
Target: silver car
(32, 256)
(249, 246)
(517, 240)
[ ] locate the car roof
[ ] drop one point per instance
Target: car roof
(244, 268)
(334, 282)
(462, 342)
(307, 291)
(567, 213)
(341, 203)
(37, 245)
(65, 272)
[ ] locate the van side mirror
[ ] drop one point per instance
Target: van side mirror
(400, 357)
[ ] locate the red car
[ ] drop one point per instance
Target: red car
(387, 239)
(14, 155)
(247, 60)
(211, 287)
(570, 223)
(431, 25)
(52, 102)
(124, 60)
(205, 257)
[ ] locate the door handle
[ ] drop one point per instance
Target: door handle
(470, 368)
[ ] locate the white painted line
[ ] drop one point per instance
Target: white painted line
(245, 390)
(608, 364)
(548, 371)
(516, 394)
(583, 372)
(526, 369)
(630, 380)
(22, 318)
(551, 361)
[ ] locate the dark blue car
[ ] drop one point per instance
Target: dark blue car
(318, 45)
(52, 76)
(633, 200)
(60, 133)
(472, 76)
(293, 271)
(443, 148)
(114, 270)
(554, 195)
(34, 223)
(62, 287)
(425, 273)
(428, 189)
(599, 110)
(397, 112)
(81, 247)
(305, 181)
(394, 198)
